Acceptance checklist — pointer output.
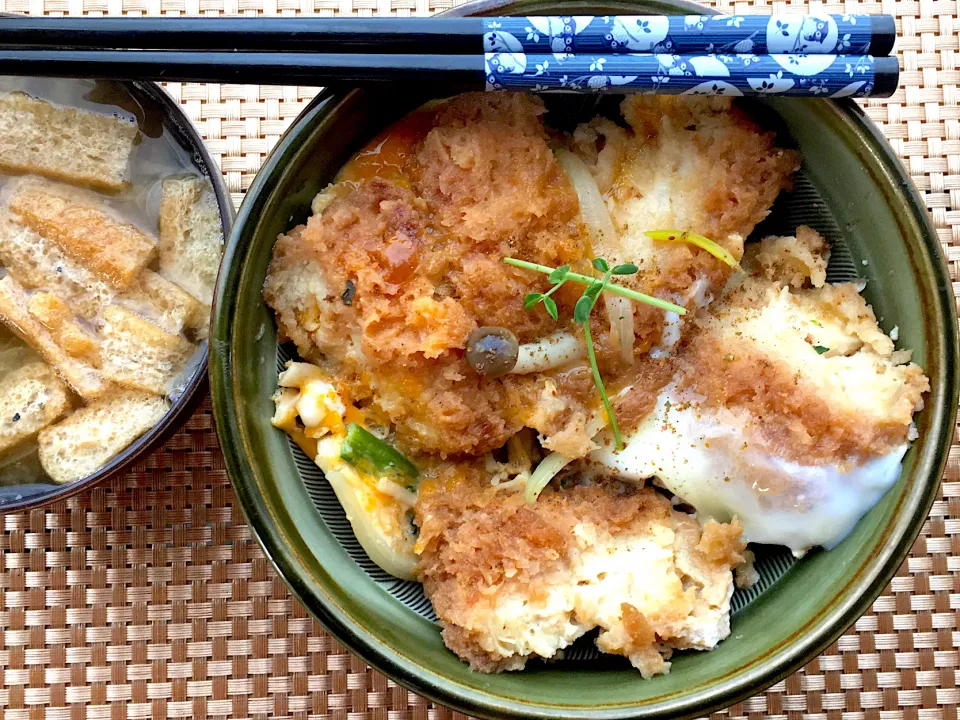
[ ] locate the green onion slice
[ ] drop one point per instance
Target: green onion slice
(368, 453)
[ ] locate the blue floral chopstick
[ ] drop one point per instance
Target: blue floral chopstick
(833, 76)
(793, 54)
(791, 33)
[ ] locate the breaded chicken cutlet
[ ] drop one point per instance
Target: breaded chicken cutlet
(512, 581)
(403, 257)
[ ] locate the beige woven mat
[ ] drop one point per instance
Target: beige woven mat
(147, 597)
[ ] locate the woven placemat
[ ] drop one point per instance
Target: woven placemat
(148, 598)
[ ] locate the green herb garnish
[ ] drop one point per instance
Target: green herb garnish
(821, 349)
(583, 308)
(529, 302)
(558, 277)
(366, 452)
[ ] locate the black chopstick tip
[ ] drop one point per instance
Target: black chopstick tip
(883, 34)
(886, 72)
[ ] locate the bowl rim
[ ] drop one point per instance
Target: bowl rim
(195, 390)
(780, 663)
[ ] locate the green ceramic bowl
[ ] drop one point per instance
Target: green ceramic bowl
(872, 211)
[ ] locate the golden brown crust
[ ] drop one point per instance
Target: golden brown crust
(746, 169)
(416, 230)
(732, 361)
(510, 580)
(798, 423)
(423, 253)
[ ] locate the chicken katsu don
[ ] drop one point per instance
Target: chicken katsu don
(548, 377)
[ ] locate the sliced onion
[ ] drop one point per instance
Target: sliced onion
(592, 208)
(620, 313)
(401, 494)
(391, 551)
(555, 350)
(553, 463)
(545, 472)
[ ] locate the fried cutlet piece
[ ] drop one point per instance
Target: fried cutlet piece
(75, 146)
(115, 251)
(31, 398)
(392, 276)
(812, 362)
(85, 379)
(512, 581)
(698, 165)
(191, 237)
(790, 407)
(87, 439)
(140, 355)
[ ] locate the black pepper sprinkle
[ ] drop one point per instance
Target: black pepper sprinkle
(16, 417)
(348, 294)
(59, 269)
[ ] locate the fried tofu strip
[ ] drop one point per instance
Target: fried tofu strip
(91, 436)
(138, 354)
(31, 398)
(68, 144)
(85, 379)
(116, 251)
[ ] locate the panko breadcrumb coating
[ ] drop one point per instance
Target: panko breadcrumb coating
(696, 165)
(420, 229)
(796, 261)
(811, 362)
(511, 581)
(415, 232)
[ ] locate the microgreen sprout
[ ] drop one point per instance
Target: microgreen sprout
(583, 308)
(587, 280)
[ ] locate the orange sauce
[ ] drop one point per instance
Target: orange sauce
(389, 154)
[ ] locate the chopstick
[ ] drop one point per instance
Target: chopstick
(243, 68)
(791, 33)
(757, 75)
(791, 54)
(436, 36)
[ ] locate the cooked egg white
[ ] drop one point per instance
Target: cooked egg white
(378, 509)
(827, 339)
(701, 458)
